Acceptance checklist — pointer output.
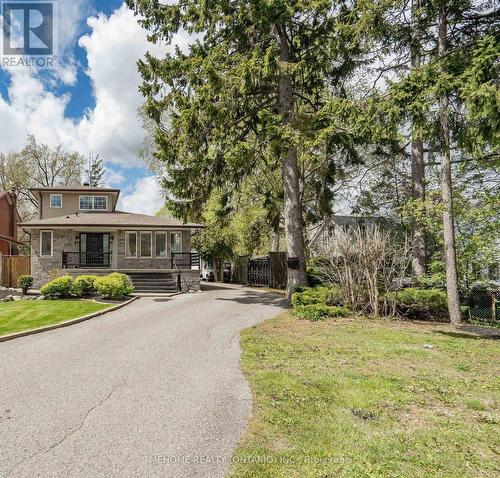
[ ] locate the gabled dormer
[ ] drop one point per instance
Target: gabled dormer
(66, 200)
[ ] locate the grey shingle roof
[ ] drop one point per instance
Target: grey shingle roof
(111, 219)
(78, 187)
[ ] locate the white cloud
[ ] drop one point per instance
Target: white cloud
(32, 109)
(113, 178)
(146, 197)
(113, 128)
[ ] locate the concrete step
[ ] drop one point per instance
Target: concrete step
(155, 289)
(153, 281)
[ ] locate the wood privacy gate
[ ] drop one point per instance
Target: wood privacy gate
(12, 267)
(268, 271)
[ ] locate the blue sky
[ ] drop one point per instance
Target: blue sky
(89, 102)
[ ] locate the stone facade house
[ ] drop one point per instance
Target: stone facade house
(79, 231)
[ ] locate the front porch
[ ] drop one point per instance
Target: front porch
(100, 252)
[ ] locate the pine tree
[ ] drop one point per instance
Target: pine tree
(446, 184)
(419, 251)
(250, 94)
(95, 170)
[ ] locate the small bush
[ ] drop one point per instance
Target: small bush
(318, 295)
(60, 287)
(126, 280)
(25, 282)
(83, 285)
(420, 304)
(315, 312)
(114, 286)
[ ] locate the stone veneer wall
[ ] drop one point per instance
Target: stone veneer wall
(190, 280)
(64, 239)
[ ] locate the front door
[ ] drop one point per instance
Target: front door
(94, 249)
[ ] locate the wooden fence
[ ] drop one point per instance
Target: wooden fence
(278, 270)
(12, 267)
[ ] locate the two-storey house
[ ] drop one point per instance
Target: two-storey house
(79, 231)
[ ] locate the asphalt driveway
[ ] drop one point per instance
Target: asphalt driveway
(153, 389)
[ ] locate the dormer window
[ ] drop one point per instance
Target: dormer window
(93, 203)
(56, 200)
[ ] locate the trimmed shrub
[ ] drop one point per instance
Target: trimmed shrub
(114, 286)
(126, 280)
(420, 304)
(83, 285)
(25, 282)
(318, 295)
(315, 312)
(60, 287)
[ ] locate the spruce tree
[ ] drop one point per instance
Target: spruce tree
(257, 80)
(95, 170)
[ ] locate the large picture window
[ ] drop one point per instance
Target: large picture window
(146, 239)
(176, 241)
(131, 244)
(46, 243)
(94, 203)
(161, 244)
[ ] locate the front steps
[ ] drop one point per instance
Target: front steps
(154, 282)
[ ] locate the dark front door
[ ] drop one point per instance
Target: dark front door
(94, 249)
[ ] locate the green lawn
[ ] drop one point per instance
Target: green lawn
(369, 398)
(30, 314)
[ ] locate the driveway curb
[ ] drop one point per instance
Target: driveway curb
(66, 323)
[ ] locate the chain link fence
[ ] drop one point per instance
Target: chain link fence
(484, 306)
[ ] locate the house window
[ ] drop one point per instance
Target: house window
(56, 200)
(146, 246)
(100, 203)
(161, 244)
(176, 241)
(131, 244)
(46, 243)
(94, 203)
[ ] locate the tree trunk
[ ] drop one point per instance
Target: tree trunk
(419, 252)
(222, 269)
(447, 192)
(294, 235)
(275, 241)
(216, 270)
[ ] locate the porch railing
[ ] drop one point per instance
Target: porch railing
(178, 260)
(86, 259)
(185, 260)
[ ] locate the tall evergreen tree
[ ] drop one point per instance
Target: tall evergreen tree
(256, 80)
(95, 170)
(446, 182)
(419, 251)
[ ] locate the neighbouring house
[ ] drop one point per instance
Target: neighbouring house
(9, 219)
(79, 231)
(322, 233)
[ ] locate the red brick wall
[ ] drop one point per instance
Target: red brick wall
(8, 224)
